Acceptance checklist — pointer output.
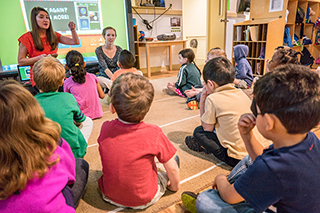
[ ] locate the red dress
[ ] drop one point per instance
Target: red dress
(27, 41)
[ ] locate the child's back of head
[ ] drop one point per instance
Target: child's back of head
(28, 139)
(48, 74)
(126, 59)
(283, 56)
(131, 96)
(188, 54)
(292, 93)
(216, 52)
(240, 51)
(75, 63)
(220, 70)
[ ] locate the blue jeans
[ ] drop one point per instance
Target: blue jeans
(240, 169)
(210, 200)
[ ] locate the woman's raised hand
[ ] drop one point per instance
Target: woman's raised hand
(72, 25)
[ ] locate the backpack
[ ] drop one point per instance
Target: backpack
(299, 15)
(306, 58)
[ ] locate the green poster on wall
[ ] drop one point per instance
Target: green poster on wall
(228, 7)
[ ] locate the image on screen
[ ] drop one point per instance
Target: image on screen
(85, 13)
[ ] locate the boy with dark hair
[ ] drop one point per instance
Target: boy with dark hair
(286, 175)
(221, 106)
(128, 147)
(125, 62)
(48, 74)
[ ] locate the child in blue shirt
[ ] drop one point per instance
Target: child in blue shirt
(286, 175)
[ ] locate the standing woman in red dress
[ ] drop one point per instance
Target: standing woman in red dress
(42, 40)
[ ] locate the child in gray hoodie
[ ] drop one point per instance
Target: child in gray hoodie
(243, 68)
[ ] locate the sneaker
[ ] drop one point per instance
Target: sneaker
(189, 201)
(194, 145)
(177, 159)
(193, 105)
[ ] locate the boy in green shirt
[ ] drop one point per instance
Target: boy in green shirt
(61, 107)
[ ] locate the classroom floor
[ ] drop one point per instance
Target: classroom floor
(197, 170)
(171, 113)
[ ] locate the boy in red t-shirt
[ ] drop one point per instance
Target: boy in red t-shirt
(128, 147)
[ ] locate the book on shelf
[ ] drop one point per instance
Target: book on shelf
(254, 33)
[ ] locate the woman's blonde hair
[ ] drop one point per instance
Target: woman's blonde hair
(51, 35)
(27, 139)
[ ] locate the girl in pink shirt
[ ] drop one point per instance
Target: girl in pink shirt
(83, 86)
(37, 166)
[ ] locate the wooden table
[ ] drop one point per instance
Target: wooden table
(169, 44)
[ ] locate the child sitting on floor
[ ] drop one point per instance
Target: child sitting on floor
(38, 171)
(221, 106)
(128, 147)
(189, 74)
(287, 174)
(125, 62)
(194, 94)
(61, 107)
(244, 76)
(83, 86)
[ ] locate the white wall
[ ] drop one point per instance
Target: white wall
(233, 19)
(195, 26)
(159, 56)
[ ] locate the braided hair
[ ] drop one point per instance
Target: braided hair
(75, 63)
(284, 56)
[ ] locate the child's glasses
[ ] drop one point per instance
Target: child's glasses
(253, 108)
(254, 111)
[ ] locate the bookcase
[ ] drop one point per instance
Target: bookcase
(269, 27)
(308, 28)
(136, 46)
(262, 36)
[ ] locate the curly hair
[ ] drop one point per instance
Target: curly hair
(75, 63)
(27, 139)
(284, 56)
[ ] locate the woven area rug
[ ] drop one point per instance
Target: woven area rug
(197, 170)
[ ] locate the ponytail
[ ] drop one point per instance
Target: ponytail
(75, 62)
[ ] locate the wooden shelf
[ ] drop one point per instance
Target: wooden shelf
(156, 10)
(136, 46)
(268, 39)
(250, 41)
(308, 29)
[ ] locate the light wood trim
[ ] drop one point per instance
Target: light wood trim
(157, 11)
(256, 21)
(274, 36)
(235, 15)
